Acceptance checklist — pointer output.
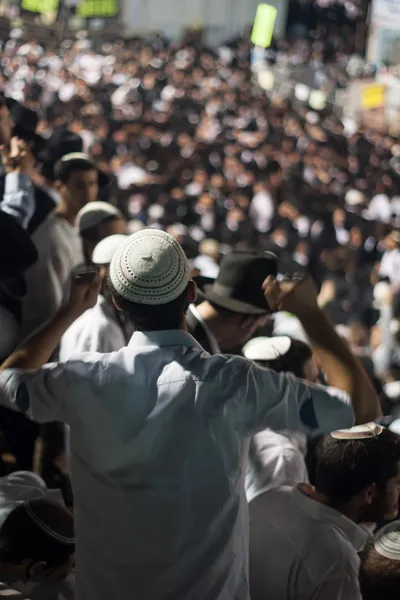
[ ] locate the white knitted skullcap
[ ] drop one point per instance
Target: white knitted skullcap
(105, 250)
(150, 268)
(94, 213)
(387, 541)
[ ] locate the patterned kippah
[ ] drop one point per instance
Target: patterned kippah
(150, 268)
(387, 541)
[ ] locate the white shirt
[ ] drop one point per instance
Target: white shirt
(95, 331)
(129, 175)
(275, 460)
(300, 548)
(390, 266)
(380, 208)
(207, 266)
(262, 210)
(157, 432)
(60, 250)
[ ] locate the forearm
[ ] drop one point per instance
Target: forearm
(19, 198)
(37, 350)
(342, 369)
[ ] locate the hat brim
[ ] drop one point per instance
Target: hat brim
(30, 136)
(24, 253)
(236, 306)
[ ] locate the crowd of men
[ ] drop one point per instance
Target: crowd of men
(199, 317)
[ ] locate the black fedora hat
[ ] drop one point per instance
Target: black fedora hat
(17, 251)
(25, 124)
(59, 144)
(238, 287)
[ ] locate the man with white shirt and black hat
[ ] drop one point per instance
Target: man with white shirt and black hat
(158, 429)
(234, 305)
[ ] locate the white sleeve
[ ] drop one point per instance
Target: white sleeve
(262, 398)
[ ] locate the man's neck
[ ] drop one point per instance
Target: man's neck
(63, 210)
(345, 509)
(212, 319)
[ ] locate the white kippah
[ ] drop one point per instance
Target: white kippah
(359, 432)
(105, 250)
(94, 213)
(387, 541)
(150, 268)
(264, 348)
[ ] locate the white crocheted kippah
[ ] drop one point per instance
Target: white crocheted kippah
(150, 268)
(387, 541)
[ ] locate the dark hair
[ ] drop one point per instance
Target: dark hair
(64, 169)
(379, 576)
(293, 361)
(272, 168)
(22, 537)
(345, 467)
(92, 234)
(146, 317)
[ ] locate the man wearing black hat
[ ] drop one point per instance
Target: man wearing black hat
(234, 305)
(19, 432)
(19, 123)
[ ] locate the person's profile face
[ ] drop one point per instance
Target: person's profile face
(385, 505)
(81, 187)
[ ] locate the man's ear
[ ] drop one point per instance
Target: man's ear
(116, 304)
(37, 568)
(191, 292)
(369, 493)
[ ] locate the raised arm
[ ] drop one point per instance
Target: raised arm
(342, 369)
(19, 192)
(39, 347)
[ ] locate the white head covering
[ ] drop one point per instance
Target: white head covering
(105, 250)
(264, 348)
(94, 213)
(150, 268)
(387, 541)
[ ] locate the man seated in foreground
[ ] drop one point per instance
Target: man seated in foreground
(304, 542)
(159, 428)
(37, 546)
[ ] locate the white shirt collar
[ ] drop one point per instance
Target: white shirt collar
(356, 535)
(211, 338)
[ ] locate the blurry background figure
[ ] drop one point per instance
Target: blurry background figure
(207, 261)
(96, 221)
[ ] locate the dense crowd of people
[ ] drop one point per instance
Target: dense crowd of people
(199, 308)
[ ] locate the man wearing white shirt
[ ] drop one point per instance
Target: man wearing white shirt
(158, 429)
(99, 329)
(390, 263)
(304, 542)
(262, 207)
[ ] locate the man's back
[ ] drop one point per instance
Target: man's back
(300, 548)
(171, 476)
(157, 439)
